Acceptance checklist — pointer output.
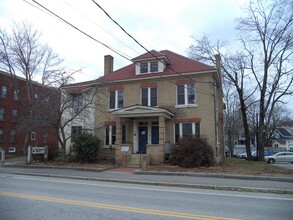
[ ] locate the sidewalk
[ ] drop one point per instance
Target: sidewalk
(264, 184)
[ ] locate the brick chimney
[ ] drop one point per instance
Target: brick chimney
(108, 64)
(218, 61)
(218, 64)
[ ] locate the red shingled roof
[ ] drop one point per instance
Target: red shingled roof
(179, 64)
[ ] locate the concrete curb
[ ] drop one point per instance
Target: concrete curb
(61, 167)
(217, 175)
(139, 172)
(195, 186)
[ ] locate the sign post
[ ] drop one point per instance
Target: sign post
(29, 155)
(2, 157)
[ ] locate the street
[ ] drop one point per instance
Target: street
(33, 197)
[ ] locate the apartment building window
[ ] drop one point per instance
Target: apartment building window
(47, 101)
(185, 94)
(75, 130)
(13, 135)
(149, 96)
(154, 66)
(45, 137)
(3, 91)
(116, 99)
(77, 103)
(186, 129)
(1, 134)
(144, 67)
(14, 114)
(16, 95)
(33, 136)
(2, 113)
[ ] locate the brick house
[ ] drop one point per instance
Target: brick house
(145, 107)
(23, 124)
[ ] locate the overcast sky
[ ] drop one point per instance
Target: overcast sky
(156, 24)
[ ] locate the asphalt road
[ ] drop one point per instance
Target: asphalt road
(33, 197)
(199, 182)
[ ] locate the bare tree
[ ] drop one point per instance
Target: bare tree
(232, 123)
(22, 53)
(267, 39)
(262, 67)
(233, 69)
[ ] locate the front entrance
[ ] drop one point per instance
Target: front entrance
(142, 139)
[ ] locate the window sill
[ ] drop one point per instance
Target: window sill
(186, 106)
(108, 147)
(113, 109)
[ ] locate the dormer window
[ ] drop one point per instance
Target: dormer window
(144, 67)
(150, 67)
(154, 66)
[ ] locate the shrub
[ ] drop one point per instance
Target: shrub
(85, 147)
(192, 151)
(53, 153)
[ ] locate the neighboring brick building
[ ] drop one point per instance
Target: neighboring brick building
(148, 105)
(24, 122)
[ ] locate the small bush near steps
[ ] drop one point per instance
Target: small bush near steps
(192, 151)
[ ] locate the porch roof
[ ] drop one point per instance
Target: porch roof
(136, 111)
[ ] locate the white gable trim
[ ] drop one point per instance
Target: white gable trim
(142, 111)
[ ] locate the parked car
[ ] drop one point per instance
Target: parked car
(266, 153)
(280, 157)
(240, 155)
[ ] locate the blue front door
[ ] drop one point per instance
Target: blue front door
(143, 139)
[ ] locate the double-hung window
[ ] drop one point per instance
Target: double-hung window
(75, 131)
(154, 66)
(186, 129)
(77, 103)
(2, 113)
(16, 95)
(185, 94)
(12, 135)
(14, 114)
(149, 96)
(3, 91)
(1, 134)
(144, 67)
(116, 99)
(110, 136)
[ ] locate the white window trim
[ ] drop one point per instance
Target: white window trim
(185, 98)
(161, 67)
(33, 136)
(149, 96)
(116, 100)
(110, 137)
(181, 128)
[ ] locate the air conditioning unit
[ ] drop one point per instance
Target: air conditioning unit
(11, 150)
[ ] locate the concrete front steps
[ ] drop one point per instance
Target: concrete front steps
(138, 160)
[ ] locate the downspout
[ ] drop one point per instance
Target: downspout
(216, 122)
(218, 66)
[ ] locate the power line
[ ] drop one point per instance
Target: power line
(140, 43)
(114, 50)
(103, 29)
(76, 28)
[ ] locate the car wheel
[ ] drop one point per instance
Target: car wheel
(271, 160)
